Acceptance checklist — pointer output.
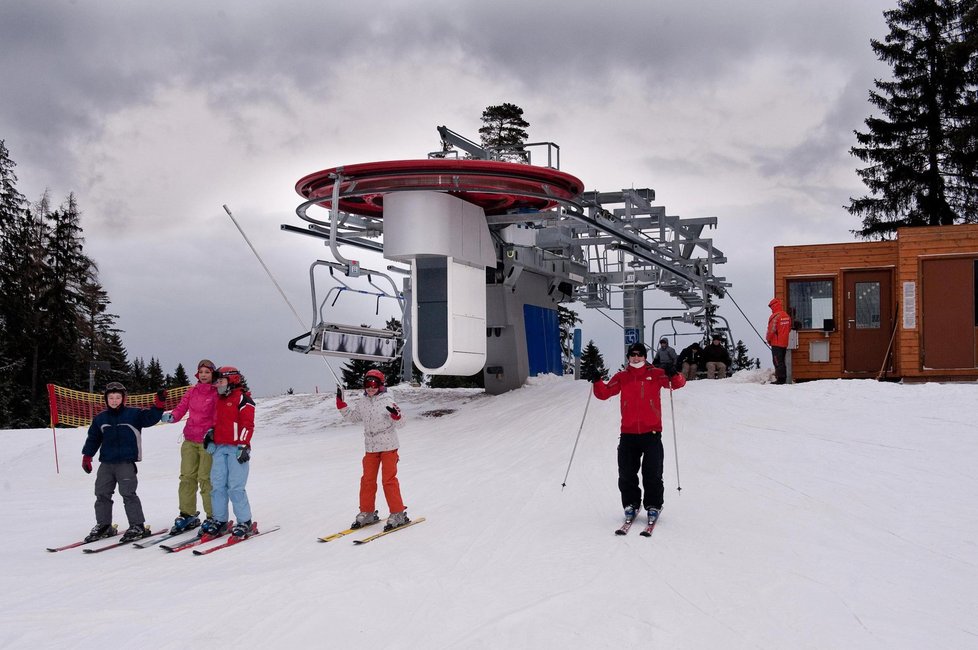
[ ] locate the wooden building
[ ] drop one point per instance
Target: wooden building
(904, 308)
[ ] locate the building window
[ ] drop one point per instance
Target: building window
(811, 303)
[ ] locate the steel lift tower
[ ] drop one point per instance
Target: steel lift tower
(487, 249)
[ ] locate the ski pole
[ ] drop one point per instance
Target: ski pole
(675, 450)
(573, 451)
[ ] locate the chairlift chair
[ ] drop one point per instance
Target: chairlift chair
(327, 338)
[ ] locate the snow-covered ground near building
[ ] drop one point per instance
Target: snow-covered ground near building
(831, 514)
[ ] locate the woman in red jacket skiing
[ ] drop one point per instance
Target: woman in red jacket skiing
(640, 444)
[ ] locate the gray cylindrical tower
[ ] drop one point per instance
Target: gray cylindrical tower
(633, 319)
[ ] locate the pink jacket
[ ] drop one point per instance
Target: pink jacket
(201, 402)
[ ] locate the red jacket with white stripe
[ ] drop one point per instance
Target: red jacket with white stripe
(235, 419)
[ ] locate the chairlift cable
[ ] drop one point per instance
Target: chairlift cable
(277, 286)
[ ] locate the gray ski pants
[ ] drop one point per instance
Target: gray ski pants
(109, 475)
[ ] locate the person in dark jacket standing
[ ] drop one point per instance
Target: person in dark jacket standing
(640, 443)
(117, 432)
(717, 359)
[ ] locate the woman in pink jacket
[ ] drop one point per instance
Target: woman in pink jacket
(195, 463)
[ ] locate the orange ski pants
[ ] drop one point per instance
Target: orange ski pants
(386, 461)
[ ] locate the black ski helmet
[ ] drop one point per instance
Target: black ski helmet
(638, 348)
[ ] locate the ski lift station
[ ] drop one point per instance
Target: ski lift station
(482, 249)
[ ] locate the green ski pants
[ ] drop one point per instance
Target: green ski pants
(195, 470)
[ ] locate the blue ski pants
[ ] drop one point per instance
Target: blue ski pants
(228, 480)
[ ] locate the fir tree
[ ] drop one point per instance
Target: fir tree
(567, 319)
(354, 370)
(180, 377)
(741, 359)
(503, 132)
(592, 363)
(392, 368)
(138, 376)
(154, 375)
(915, 174)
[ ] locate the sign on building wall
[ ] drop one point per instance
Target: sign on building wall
(909, 305)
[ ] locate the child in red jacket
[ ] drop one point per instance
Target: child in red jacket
(230, 445)
(640, 444)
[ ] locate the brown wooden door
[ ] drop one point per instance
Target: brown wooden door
(867, 319)
(948, 313)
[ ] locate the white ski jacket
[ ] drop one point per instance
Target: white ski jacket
(379, 429)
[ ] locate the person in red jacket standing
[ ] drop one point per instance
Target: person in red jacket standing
(640, 444)
(230, 445)
(778, 329)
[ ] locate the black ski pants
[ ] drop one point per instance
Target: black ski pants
(778, 355)
(640, 451)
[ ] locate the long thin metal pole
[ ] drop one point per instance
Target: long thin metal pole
(675, 449)
(574, 451)
(275, 282)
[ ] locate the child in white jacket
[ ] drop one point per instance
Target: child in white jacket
(381, 418)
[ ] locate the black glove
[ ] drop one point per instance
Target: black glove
(209, 437)
(244, 454)
(670, 369)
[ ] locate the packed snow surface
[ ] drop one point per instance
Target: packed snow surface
(831, 514)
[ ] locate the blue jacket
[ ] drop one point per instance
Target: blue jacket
(119, 434)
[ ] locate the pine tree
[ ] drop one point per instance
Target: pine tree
(567, 319)
(138, 376)
(392, 368)
(592, 363)
(65, 359)
(154, 375)
(180, 377)
(354, 370)
(741, 359)
(915, 175)
(12, 215)
(503, 132)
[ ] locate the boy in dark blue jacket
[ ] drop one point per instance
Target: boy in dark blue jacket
(117, 431)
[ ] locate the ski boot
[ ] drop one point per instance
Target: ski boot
(396, 520)
(135, 532)
(630, 512)
(365, 519)
(213, 527)
(184, 523)
(244, 529)
(101, 531)
(654, 515)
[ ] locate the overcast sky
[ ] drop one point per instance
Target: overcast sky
(156, 114)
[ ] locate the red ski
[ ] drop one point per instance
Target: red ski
(196, 541)
(233, 541)
(83, 542)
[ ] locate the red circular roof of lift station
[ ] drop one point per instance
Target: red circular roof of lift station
(497, 187)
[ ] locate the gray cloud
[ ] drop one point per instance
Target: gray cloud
(157, 113)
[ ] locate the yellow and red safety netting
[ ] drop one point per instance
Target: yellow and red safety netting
(75, 408)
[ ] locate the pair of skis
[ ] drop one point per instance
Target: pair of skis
(163, 535)
(628, 525)
(343, 533)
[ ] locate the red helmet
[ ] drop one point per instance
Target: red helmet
(232, 374)
(374, 376)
